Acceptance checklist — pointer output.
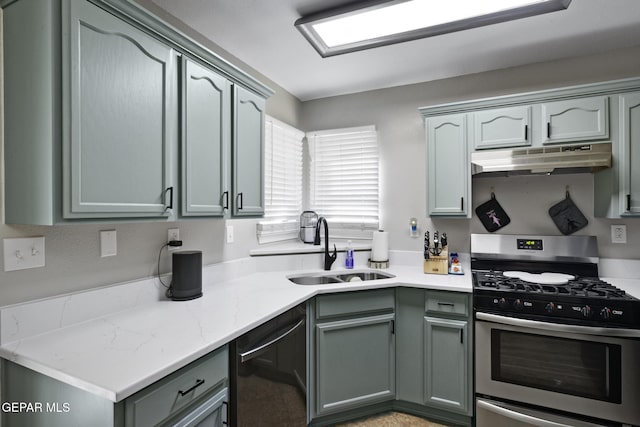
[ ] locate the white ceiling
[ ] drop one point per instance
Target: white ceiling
(261, 33)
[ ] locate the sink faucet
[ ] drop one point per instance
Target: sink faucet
(328, 259)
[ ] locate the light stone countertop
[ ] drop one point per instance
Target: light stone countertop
(117, 353)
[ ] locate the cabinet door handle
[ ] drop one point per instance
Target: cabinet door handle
(446, 303)
(461, 337)
(462, 204)
(198, 383)
(226, 407)
(239, 199)
(170, 205)
(526, 132)
(548, 129)
(393, 327)
(225, 196)
(628, 202)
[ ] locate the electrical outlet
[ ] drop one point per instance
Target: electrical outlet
(229, 233)
(173, 234)
(108, 243)
(618, 234)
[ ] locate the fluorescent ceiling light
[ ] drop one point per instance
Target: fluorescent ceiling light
(380, 23)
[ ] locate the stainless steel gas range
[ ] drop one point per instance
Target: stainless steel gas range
(555, 345)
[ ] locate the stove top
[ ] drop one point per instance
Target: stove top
(585, 287)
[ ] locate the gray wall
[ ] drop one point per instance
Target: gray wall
(525, 199)
(72, 251)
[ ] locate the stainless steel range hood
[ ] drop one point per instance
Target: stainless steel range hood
(545, 160)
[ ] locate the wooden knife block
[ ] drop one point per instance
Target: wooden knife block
(437, 264)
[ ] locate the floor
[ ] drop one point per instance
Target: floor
(391, 419)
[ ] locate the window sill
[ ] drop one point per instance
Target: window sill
(296, 247)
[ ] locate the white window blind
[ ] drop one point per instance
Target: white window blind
(344, 177)
(283, 181)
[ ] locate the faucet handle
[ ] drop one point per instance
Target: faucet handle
(335, 252)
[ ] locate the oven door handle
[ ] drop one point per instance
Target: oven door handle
(517, 416)
(262, 347)
(556, 327)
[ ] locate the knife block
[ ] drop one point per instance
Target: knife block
(437, 264)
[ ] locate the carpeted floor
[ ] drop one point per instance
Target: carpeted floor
(391, 419)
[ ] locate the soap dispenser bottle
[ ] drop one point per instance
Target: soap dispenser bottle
(348, 261)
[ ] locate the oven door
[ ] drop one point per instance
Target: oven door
(565, 367)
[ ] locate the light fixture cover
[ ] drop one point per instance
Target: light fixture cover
(320, 28)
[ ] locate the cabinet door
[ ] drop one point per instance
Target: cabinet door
(630, 153)
(446, 361)
(206, 131)
(118, 86)
(355, 363)
(448, 166)
(504, 127)
(584, 119)
(248, 153)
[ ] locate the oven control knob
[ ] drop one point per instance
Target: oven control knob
(550, 308)
(605, 313)
(517, 304)
(586, 311)
(502, 303)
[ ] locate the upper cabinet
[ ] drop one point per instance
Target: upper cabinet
(206, 138)
(630, 154)
(448, 168)
(502, 127)
(582, 119)
(120, 117)
(97, 127)
(248, 153)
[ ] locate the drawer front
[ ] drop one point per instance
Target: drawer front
(442, 302)
(349, 303)
(173, 393)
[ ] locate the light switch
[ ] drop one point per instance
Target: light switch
(23, 252)
(229, 233)
(108, 243)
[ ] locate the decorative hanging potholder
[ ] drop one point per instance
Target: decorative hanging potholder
(567, 216)
(491, 214)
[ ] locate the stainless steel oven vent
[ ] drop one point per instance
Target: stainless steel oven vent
(546, 160)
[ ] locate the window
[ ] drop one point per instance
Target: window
(343, 179)
(283, 182)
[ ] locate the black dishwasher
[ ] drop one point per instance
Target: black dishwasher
(268, 373)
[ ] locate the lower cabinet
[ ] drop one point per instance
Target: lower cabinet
(405, 349)
(354, 351)
(194, 395)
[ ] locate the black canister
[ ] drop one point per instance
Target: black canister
(186, 282)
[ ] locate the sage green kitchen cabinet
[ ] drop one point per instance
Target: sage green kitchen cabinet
(90, 111)
(248, 153)
(434, 354)
(92, 118)
(575, 120)
(448, 167)
(206, 139)
(502, 127)
(446, 360)
(354, 351)
(195, 392)
(629, 162)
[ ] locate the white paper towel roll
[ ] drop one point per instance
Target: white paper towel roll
(380, 246)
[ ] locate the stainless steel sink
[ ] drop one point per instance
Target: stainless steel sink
(323, 279)
(314, 280)
(363, 276)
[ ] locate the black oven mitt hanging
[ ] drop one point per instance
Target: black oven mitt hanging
(567, 216)
(491, 214)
